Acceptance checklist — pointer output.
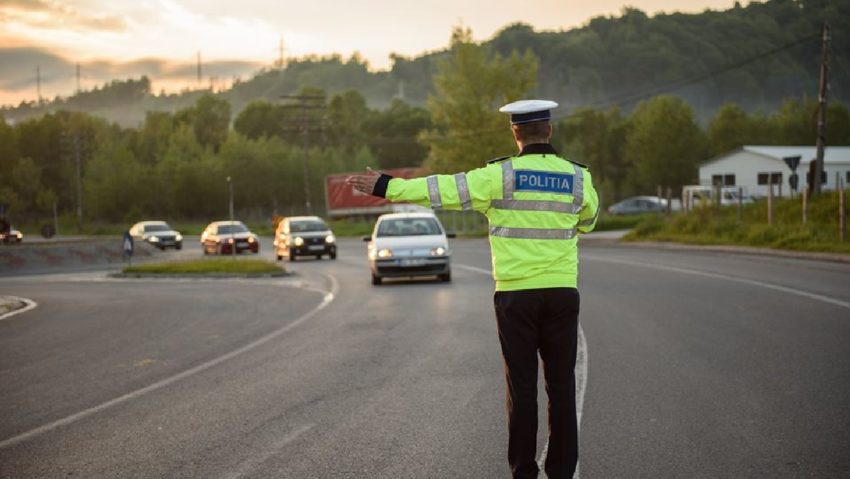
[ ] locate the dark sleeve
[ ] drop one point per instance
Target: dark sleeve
(380, 189)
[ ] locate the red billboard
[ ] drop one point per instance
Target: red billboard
(342, 200)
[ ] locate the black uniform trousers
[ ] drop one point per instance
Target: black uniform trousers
(544, 320)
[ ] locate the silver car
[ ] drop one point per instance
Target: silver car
(408, 245)
(157, 233)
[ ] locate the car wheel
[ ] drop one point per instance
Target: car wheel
(318, 256)
(376, 280)
(291, 254)
(332, 255)
(279, 257)
(179, 246)
(446, 277)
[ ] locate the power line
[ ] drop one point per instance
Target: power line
(676, 84)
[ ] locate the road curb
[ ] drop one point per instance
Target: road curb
(12, 305)
(281, 274)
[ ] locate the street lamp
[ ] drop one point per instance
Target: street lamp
(232, 238)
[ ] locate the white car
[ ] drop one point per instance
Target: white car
(157, 233)
(407, 245)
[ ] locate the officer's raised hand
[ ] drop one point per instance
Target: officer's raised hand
(364, 183)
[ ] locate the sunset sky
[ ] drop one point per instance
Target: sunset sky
(161, 38)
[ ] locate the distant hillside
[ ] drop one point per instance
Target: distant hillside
(611, 60)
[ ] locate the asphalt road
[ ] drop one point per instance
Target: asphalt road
(698, 365)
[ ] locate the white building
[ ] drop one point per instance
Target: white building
(754, 167)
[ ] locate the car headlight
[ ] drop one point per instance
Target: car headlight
(329, 239)
(179, 237)
(298, 241)
(251, 239)
(153, 239)
(19, 235)
(385, 253)
(438, 251)
(230, 240)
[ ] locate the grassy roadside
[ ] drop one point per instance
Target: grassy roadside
(712, 226)
(208, 266)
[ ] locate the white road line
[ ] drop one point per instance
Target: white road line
(30, 304)
(752, 282)
(251, 464)
(329, 296)
(581, 372)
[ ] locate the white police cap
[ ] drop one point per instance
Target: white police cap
(526, 111)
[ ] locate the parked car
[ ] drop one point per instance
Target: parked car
(637, 205)
(157, 233)
(13, 236)
(408, 245)
(304, 236)
(697, 195)
(227, 237)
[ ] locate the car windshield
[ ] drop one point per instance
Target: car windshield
(304, 226)
(230, 229)
(157, 227)
(409, 227)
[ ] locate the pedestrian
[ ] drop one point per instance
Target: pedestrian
(537, 203)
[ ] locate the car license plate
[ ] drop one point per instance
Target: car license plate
(316, 247)
(412, 262)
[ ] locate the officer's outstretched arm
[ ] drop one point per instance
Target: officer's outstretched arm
(462, 191)
(590, 210)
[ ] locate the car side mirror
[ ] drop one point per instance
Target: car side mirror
(451, 235)
(367, 238)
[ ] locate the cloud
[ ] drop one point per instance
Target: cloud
(58, 74)
(52, 15)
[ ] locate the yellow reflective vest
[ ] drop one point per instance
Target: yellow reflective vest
(536, 204)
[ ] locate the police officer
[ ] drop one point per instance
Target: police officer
(537, 203)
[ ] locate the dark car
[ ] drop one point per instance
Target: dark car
(637, 205)
(227, 237)
(304, 236)
(157, 233)
(11, 236)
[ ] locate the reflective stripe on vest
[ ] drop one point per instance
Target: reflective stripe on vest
(434, 192)
(507, 180)
(463, 191)
(589, 221)
(533, 233)
(509, 203)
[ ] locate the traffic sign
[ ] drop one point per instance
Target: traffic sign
(792, 162)
(794, 180)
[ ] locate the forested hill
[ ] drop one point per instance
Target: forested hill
(753, 55)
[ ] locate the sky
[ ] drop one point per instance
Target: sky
(162, 38)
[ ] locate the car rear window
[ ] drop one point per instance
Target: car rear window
(409, 227)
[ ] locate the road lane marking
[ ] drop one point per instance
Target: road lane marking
(751, 282)
(30, 304)
(326, 300)
(254, 462)
(581, 373)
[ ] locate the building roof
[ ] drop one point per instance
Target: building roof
(831, 154)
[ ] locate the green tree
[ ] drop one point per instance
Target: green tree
(260, 119)
(392, 135)
(664, 144)
(209, 118)
(471, 84)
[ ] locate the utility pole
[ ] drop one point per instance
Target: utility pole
(823, 87)
(74, 145)
(281, 62)
(232, 236)
(38, 83)
(199, 67)
(78, 78)
(305, 103)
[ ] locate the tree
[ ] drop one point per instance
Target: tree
(260, 119)
(664, 144)
(471, 84)
(391, 134)
(210, 120)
